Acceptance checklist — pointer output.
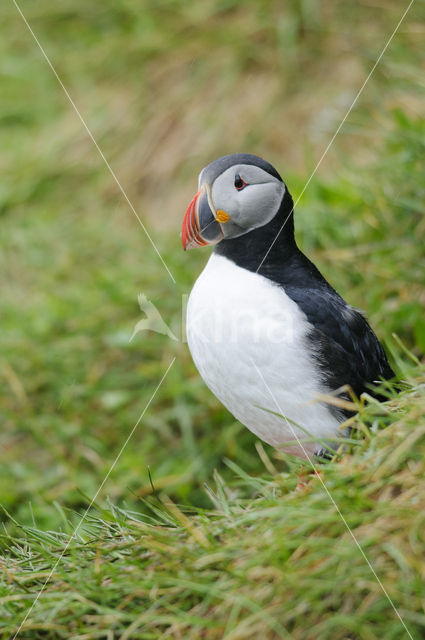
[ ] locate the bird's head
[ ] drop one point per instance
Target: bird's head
(237, 194)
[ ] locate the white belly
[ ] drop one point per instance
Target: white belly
(248, 340)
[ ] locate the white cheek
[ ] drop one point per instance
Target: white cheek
(259, 204)
(253, 206)
(230, 202)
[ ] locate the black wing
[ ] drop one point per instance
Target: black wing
(345, 347)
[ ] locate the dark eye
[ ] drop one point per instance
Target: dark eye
(239, 183)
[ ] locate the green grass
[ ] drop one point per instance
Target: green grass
(263, 560)
(166, 88)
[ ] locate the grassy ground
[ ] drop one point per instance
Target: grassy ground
(262, 561)
(165, 89)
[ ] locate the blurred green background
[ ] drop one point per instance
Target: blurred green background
(166, 87)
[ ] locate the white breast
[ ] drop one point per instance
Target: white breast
(236, 318)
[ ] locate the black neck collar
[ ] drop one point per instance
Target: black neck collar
(267, 246)
(272, 252)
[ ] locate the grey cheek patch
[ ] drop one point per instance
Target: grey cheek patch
(250, 208)
(263, 204)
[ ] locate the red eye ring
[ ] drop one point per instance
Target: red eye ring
(239, 183)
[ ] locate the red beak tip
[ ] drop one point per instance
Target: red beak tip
(191, 235)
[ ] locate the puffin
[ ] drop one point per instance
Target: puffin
(268, 334)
